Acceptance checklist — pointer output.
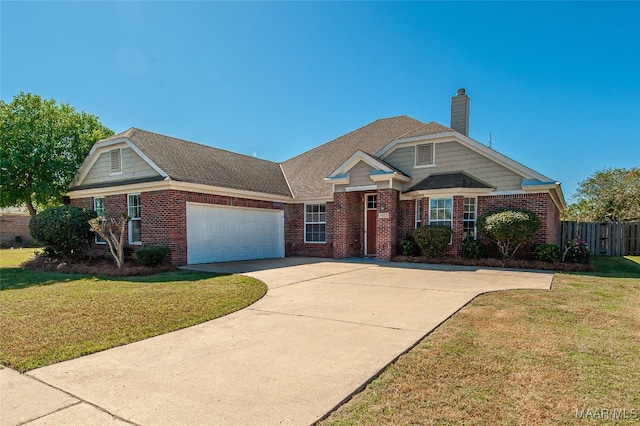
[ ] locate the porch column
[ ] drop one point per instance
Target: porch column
(387, 238)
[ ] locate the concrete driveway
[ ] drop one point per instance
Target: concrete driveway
(323, 329)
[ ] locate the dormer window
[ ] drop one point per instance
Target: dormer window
(425, 155)
(116, 160)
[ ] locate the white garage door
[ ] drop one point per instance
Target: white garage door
(222, 234)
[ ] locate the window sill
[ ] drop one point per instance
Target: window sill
(424, 166)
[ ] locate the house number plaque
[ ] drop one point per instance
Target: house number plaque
(383, 215)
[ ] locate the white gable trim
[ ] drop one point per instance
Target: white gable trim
(105, 146)
(168, 184)
(355, 158)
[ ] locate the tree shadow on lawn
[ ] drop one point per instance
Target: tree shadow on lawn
(17, 278)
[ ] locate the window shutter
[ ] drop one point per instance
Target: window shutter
(115, 160)
(424, 154)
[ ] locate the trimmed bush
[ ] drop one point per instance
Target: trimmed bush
(508, 228)
(432, 239)
(409, 247)
(63, 230)
(547, 252)
(152, 256)
(473, 249)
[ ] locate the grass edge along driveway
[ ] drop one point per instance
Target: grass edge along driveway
(562, 357)
(48, 317)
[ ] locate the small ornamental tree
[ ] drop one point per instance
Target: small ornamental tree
(63, 230)
(111, 229)
(508, 228)
(432, 239)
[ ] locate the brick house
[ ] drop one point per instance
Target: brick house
(357, 195)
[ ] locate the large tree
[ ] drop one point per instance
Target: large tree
(42, 145)
(608, 195)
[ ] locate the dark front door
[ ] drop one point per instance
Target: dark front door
(371, 220)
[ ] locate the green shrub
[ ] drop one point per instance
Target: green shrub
(63, 230)
(473, 249)
(409, 247)
(508, 228)
(152, 256)
(432, 239)
(548, 252)
(128, 252)
(576, 252)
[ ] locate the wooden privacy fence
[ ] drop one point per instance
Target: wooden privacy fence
(604, 238)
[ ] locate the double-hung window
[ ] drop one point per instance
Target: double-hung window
(135, 228)
(441, 212)
(98, 206)
(470, 214)
(418, 213)
(315, 222)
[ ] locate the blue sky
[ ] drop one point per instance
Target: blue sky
(557, 85)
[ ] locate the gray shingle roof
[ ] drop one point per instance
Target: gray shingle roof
(448, 180)
(195, 163)
(307, 171)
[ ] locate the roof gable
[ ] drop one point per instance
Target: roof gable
(306, 172)
(185, 161)
(421, 135)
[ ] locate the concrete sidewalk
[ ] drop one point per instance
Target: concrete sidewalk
(323, 329)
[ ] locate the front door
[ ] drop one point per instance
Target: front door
(371, 221)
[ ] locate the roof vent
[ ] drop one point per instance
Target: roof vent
(460, 112)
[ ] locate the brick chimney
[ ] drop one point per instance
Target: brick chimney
(460, 112)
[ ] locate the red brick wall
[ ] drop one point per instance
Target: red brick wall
(294, 233)
(164, 213)
(541, 204)
(12, 226)
(348, 224)
(406, 218)
(387, 237)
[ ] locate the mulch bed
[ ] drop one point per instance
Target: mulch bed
(499, 263)
(96, 266)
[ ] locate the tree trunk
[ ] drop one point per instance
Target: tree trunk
(32, 210)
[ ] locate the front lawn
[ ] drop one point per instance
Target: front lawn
(559, 357)
(49, 317)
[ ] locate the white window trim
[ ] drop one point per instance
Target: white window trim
(315, 223)
(134, 243)
(95, 238)
(440, 220)
(433, 156)
(418, 215)
(116, 172)
(475, 220)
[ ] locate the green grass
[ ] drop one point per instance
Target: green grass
(49, 317)
(520, 357)
(14, 257)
